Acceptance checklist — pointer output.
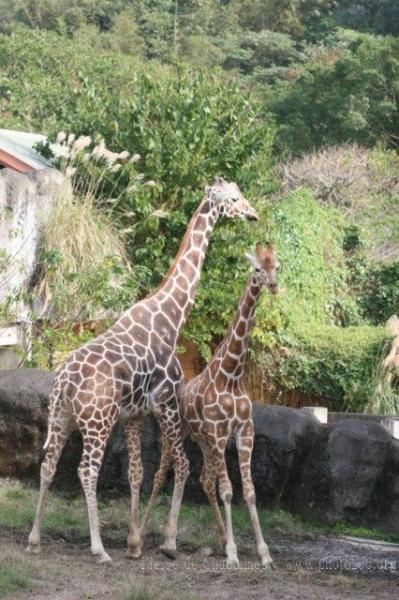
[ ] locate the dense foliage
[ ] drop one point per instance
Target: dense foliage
(270, 80)
(314, 328)
(347, 92)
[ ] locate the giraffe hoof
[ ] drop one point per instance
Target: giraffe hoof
(169, 552)
(104, 559)
(268, 564)
(33, 549)
(133, 554)
(232, 563)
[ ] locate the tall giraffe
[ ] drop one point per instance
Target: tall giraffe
(131, 371)
(214, 406)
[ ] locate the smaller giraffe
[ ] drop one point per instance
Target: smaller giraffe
(214, 406)
(389, 367)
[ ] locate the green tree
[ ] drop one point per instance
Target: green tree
(266, 54)
(381, 17)
(348, 93)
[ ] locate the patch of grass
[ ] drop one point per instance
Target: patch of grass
(365, 532)
(142, 588)
(197, 528)
(288, 524)
(18, 505)
(16, 573)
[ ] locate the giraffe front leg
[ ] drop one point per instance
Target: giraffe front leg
(244, 441)
(135, 474)
(208, 481)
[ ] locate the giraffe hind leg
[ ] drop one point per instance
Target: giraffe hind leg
(226, 494)
(88, 471)
(159, 479)
(172, 432)
(135, 474)
(244, 440)
(60, 429)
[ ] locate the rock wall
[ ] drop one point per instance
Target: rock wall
(25, 199)
(348, 471)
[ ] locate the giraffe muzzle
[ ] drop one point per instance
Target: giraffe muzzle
(251, 214)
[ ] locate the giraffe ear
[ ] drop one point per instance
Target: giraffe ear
(253, 260)
(208, 189)
(218, 180)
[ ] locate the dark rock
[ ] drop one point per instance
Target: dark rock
(346, 476)
(284, 437)
(358, 452)
(346, 471)
(23, 418)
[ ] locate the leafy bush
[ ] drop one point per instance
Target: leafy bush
(187, 127)
(381, 296)
(313, 275)
(334, 363)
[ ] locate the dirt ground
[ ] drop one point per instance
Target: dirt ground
(314, 569)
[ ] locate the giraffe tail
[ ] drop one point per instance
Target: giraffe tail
(53, 400)
(46, 443)
(41, 453)
(49, 434)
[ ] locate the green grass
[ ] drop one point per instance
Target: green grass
(365, 532)
(18, 504)
(68, 517)
(16, 573)
(144, 588)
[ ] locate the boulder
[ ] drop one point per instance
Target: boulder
(348, 471)
(23, 419)
(348, 474)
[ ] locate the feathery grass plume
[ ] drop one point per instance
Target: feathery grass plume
(88, 162)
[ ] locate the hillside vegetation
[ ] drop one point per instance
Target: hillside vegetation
(296, 101)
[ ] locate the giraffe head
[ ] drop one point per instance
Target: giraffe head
(265, 267)
(230, 201)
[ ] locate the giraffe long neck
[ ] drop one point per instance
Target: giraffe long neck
(234, 348)
(177, 291)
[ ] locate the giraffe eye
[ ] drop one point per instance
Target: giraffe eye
(257, 269)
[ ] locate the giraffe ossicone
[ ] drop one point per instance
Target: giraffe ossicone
(215, 406)
(131, 371)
